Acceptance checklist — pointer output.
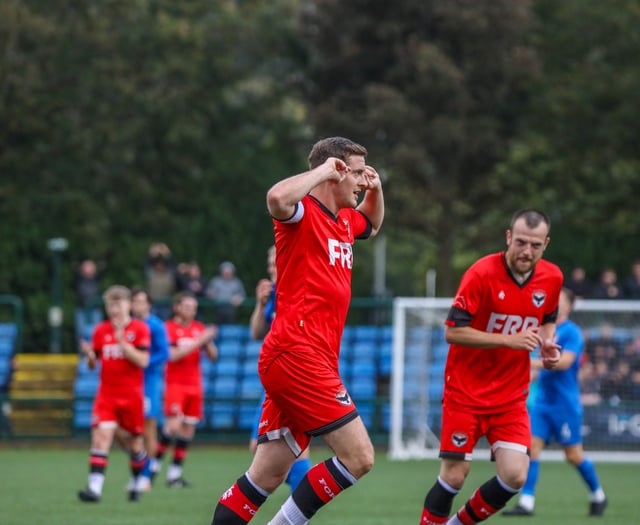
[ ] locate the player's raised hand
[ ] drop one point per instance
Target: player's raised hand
(339, 168)
(263, 291)
(372, 178)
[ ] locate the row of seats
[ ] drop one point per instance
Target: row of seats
(232, 385)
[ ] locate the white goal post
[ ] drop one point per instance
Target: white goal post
(611, 427)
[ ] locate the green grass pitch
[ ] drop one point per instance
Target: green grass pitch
(38, 487)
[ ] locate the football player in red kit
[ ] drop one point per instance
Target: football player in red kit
(505, 308)
(317, 216)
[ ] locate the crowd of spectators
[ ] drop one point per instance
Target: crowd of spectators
(607, 286)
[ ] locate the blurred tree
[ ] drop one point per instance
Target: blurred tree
(123, 123)
(577, 154)
(434, 89)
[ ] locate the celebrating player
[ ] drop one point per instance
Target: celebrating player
(557, 413)
(505, 307)
(121, 343)
(184, 391)
(316, 219)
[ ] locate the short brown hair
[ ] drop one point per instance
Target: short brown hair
(337, 147)
(116, 293)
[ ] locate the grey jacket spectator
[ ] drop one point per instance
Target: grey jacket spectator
(228, 291)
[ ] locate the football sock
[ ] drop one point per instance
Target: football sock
(163, 444)
(485, 502)
(299, 468)
(318, 487)
(97, 466)
(240, 503)
(179, 455)
(137, 461)
(588, 473)
(437, 503)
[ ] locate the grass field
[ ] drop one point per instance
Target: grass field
(38, 487)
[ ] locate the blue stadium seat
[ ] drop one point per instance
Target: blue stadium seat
(6, 349)
(363, 369)
(230, 348)
(252, 350)
(386, 333)
(233, 332)
(251, 387)
(226, 367)
(225, 386)
(385, 359)
(362, 388)
(440, 351)
(347, 334)
(82, 419)
(366, 411)
(364, 351)
(221, 415)
(8, 330)
(365, 333)
(247, 415)
(5, 371)
(250, 368)
(436, 389)
(86, 386)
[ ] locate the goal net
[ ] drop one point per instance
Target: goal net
(609, 376)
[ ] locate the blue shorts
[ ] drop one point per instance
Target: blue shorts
(550, 423)
(153, 386)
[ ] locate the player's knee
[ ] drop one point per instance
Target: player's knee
(360, 461)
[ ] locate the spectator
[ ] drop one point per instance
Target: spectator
(88, 288)
(631, 285)
(589, 385)
(608, 287)
(228, 292)
(605, 345)
(189, 279)
(616, 385)
(578, 283)
(159, 269)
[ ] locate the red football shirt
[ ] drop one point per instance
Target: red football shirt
(185, 370)
(117, 373)
(491, 300)
(314, 261)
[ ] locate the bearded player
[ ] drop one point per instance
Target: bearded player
(505, 307)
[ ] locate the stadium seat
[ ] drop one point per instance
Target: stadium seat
(366, 411)
(362, 388)
(233, 332)
(386, 333)
(247, 415)
(8, 330)
(385, 359)
(225, 387)
(86, 386)
(365, 333)
(364, 351)
(221, 415)
(6, 348)
(226, 367)
(252, 350)
(440, 351)
(230, 348)
(250, 387)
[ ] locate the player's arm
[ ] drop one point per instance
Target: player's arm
(258, 323)
(472, 337)
(567, 358)
(284, 195)
(90, 353)
(138, 356)
(372, 205)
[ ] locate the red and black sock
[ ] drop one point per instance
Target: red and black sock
(485, 502)
(320, 485)
(137, 461)
(437, 504)
(238, 504)
(180, 450)
(98, 462)
(163, 444)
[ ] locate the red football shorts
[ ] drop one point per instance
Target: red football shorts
(303, 399)
(119, 408)
(462, 427)
(184, 400)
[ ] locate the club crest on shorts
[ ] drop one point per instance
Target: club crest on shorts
(342, 397)
(459, 439)
(539, 297)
